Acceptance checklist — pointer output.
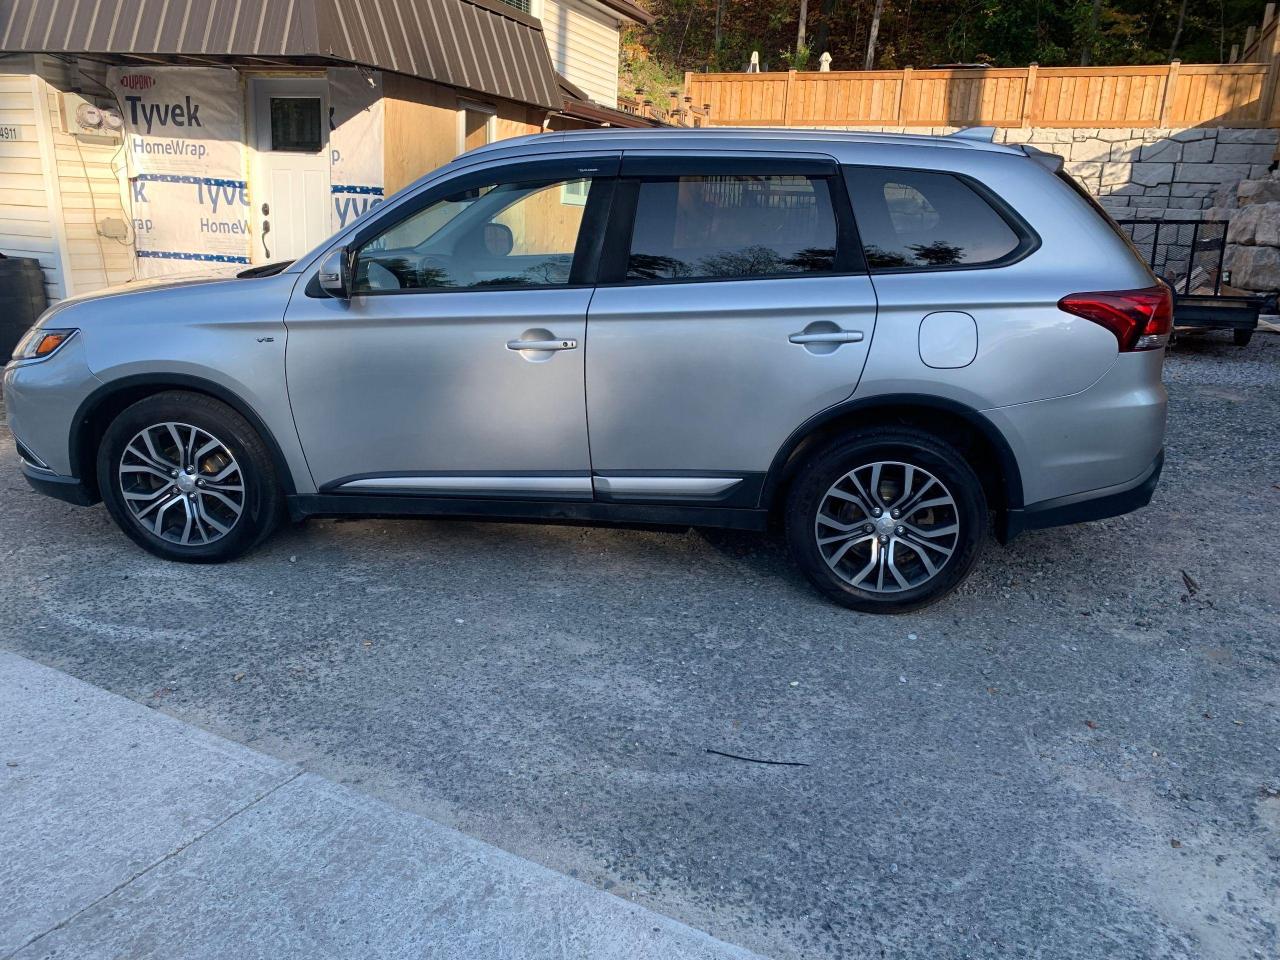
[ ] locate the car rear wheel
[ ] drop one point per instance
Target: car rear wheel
(886, 521)
(187, 478)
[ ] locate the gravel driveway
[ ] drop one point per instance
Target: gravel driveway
(1077, 755)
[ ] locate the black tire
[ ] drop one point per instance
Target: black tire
(893, 445)
(262, 495)
(1241, 338)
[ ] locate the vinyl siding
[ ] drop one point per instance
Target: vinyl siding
(27, 228)
(91, 185)
(583, 38)
(56, 189)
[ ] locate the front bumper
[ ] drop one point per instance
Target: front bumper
(1082, 507)
(43, 398)
(68, 489)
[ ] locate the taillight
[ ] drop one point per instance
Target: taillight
(1140, 319)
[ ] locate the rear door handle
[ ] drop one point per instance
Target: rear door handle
(833, 336)
(543, 344)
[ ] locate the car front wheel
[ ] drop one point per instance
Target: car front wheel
(187, 478)
(886, 521)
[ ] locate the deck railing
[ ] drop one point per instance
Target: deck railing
(678, 111)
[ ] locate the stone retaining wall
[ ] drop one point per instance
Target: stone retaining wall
(1155, 173)
(1253, 235)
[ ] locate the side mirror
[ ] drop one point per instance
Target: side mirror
(335, 274)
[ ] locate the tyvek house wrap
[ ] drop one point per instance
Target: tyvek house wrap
(355, 143)
(189, 198)
(183, 144)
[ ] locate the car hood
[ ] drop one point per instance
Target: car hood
(208, 275)
(195, 278)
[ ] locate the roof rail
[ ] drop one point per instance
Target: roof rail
(985, 134)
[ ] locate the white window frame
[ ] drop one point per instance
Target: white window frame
(571, 199)
(490, 126)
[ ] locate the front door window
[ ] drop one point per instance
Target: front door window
(498, 236)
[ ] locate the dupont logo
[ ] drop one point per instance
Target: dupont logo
(137, 81)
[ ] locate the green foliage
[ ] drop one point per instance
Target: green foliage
(644, 76)
(920, 33)
(797, 59)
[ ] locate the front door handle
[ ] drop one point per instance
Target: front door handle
(542, 344)
(831, 336)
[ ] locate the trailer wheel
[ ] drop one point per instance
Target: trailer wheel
(1241, 338)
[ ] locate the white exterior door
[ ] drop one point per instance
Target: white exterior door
(290, 188)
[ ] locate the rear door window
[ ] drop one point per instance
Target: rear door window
(924, 220)
(732, 227)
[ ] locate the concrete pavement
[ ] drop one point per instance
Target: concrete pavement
(127, 833)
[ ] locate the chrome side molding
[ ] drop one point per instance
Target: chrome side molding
(654, 488)
(476, 486)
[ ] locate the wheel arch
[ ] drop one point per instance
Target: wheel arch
(107, 402)
(976, 437)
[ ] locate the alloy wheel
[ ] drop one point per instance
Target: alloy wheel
(887, 526)
(181, 483)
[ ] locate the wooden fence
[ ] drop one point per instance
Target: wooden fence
(1264, 43)
(1170, 95)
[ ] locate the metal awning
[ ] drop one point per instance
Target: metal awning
(630, 11)
(483, 45)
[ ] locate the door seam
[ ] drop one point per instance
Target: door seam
(586, 407)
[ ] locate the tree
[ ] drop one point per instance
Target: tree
(1091, 35)
(1177, 34)
(822, 32)
(870, 62)
(894, 33)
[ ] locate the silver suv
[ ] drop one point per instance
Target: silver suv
(886, 343)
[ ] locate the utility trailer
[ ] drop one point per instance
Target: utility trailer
(1188, 256)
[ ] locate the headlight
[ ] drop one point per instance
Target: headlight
(40, 343)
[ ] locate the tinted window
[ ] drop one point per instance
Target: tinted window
(295, 124)
(511, 234)
(917, 220)
(730, 227)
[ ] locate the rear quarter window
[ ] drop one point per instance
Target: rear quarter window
(925, 220)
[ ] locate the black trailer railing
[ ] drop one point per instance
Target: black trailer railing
(1189, 255)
